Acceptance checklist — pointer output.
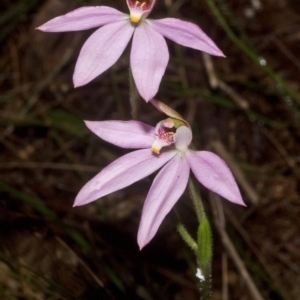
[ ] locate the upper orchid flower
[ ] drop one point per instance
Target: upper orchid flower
(149, 53)
(176, 159)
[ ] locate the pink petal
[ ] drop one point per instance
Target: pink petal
(84, 18)
(167, 188)
(101, 51)
(123, 172)
(149, 58)
(215, 175)
(186, 34)
(125, 134)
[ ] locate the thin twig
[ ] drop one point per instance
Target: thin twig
(210, 70)
(286, 51)
(215, 82)
(225, 276)
(47, 165)
(229, 91)
(39, 88)
(94, 276)
(259, 255)
(227, 243)
(282, 151)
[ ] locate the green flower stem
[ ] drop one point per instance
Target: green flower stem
(133, 97)
(204, 239)
(187, 238)
(196, 200)
(204, 242)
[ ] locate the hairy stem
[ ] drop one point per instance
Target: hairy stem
(196, 199)
(133, 97)
(187, 237)
(204, 243)
(204, 239)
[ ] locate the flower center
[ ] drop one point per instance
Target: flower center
(164, 135)
(143, 5)
(172, 131)
(139, 9)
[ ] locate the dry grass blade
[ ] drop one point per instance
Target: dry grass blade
(228, 245)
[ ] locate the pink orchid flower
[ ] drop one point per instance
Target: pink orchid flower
(166, 147)
(149, 52)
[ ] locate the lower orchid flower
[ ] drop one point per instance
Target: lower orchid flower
(149, 52)
(166, 146)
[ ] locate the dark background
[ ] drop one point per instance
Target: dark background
(245, 108)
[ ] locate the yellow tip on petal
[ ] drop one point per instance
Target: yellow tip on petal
(155, 149)
(135, 18)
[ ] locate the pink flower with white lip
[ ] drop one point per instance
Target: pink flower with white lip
(175, 159)
(149, 53)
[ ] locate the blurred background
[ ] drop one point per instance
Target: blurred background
(245, 108)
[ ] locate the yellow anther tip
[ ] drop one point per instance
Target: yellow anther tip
(155, 149)
(135, 18)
